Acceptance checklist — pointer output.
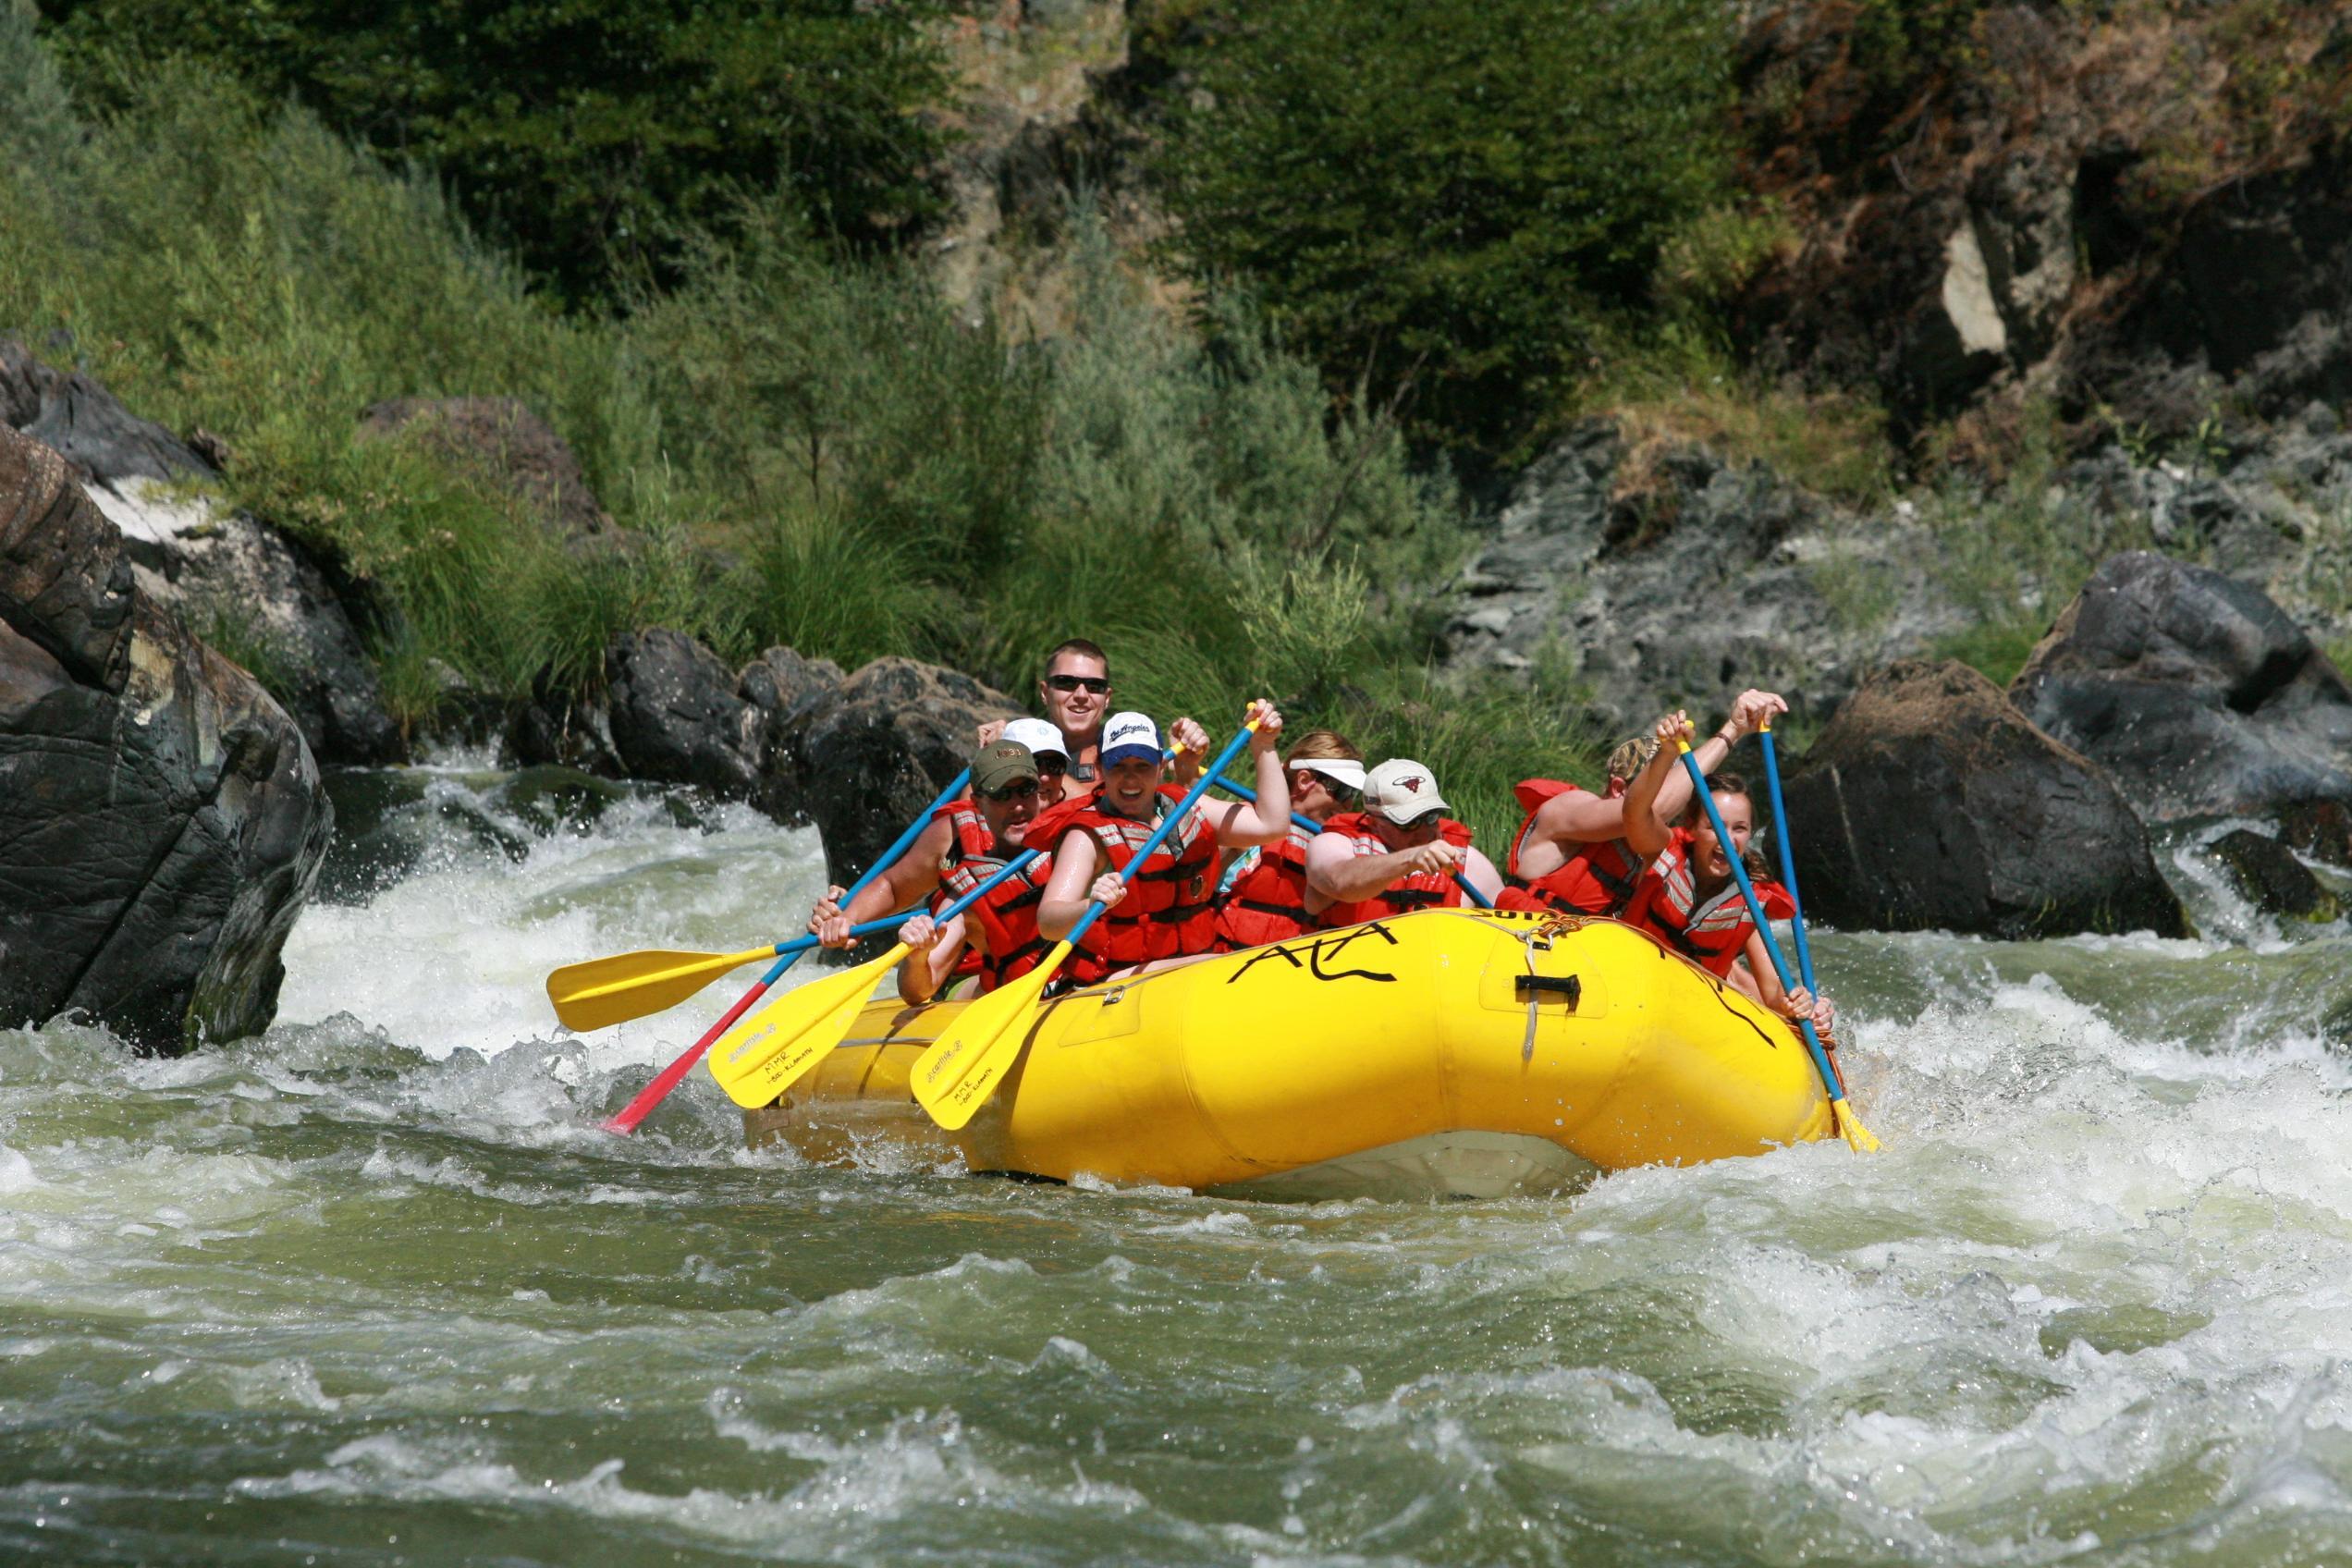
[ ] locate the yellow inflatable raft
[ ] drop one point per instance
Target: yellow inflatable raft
(1448, 1053)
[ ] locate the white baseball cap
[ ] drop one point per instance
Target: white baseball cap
(1129, 735)
(1401, 789)
(1346, 773)
(1039, 736)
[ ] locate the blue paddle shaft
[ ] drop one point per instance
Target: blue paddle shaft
(1788, 858)
(1239, 793)
(792, 948)
(1167, 826)
(1763, 925)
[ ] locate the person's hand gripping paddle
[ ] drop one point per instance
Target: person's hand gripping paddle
(766, 1054)
(1857, 1135)
(662, 976)
(955, 1077)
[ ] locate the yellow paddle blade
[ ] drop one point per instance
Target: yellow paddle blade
(955, 1077)
(613, 990)
(763, 1055)
(1857, 1137)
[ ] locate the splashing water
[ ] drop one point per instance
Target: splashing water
(373, 1288)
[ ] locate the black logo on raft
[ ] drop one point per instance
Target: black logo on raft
(1312, 954)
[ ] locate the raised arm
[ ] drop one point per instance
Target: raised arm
(1239, 825)
(1647, 829)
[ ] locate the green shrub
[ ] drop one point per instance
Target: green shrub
(1440, 199)
(591, 135)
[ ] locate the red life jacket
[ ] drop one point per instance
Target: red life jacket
(1267, 902)
(971, 835)
(1713, 935)
(1167, 912)
(1595, 879)
(1422, 890)
(971, 841)
(1004, 918)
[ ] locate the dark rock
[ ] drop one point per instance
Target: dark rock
(501, 441)
(872, 753)
(161, 819)
(785, 689)
(1710, 581)
(675, 718)
(563, 730)
(2267, 875)
(1929, 803)
(85, 424)
(2256, 297)
(2194, 691)
(2321, 829)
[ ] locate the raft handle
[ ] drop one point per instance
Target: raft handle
(1530, 986)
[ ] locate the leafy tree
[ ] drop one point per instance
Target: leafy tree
(1439, 197)
(591, 133)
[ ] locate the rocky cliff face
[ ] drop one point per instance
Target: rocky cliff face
(161, 818)
(2136, 208)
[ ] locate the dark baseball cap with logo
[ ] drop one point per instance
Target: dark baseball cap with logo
(1002, 763)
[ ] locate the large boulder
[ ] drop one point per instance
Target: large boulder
(244, 587)
(81, 421)
(669, 711)
(2194, 691)
(254, 594)
(871, 753)
(161, 819)
(1929, 803)
(676, 716)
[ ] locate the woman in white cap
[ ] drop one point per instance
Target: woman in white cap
(1264, 896)
(1164, 910)
(1400, 853)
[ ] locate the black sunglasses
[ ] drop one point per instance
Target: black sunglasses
(1019, 790)
(1098, 684)
(1048, 763)
(1427, 819)
(1337, 791)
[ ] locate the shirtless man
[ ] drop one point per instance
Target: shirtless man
(1399, 853)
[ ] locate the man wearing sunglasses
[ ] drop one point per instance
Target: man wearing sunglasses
(1075, 694)
(995, 939)
(957, 831)
(1400, 853)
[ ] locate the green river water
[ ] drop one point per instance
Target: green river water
(375, 1289)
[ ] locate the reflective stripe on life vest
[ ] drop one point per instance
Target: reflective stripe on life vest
(1167, 912)
(1711, 936)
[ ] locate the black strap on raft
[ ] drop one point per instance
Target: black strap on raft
(1532, 987)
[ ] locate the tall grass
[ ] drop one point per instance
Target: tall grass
(806, 451)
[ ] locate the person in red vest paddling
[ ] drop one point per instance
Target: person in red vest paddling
(994, 939)
(1163, 911)
(1400, 853)
(1263, 898)
(1571, 851)
(1687, 900)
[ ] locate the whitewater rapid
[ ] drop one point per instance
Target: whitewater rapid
(374, 1288)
